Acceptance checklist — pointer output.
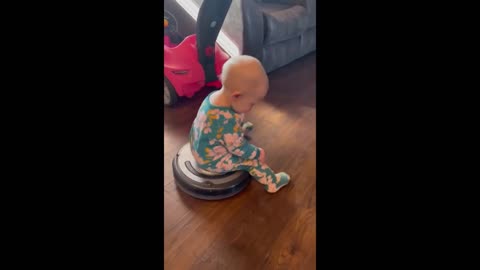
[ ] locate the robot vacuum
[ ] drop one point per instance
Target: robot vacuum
(198, 183)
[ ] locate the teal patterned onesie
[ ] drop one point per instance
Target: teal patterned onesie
(218, 145)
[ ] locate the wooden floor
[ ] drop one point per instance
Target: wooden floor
(254, 230)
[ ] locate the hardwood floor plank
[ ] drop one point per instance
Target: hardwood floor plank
(198, 233)
(243, 242)
(295, 246)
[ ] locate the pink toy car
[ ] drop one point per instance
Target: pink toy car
(185, 71)
(183, 74)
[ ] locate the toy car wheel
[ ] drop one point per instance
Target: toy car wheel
(170, 96)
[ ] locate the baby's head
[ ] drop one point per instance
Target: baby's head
(244, 81)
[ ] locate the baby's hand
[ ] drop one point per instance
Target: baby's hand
(261, 158)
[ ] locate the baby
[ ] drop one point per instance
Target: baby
(217, 135)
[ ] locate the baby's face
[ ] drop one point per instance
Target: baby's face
(244, 102)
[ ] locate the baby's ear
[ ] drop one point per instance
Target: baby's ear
(236, 94)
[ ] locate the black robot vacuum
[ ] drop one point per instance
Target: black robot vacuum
(204, 185)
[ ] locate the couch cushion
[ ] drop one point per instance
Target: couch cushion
(281, 53)
(283, 22)
(288, 2)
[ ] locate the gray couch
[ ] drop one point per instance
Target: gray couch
(276, 32)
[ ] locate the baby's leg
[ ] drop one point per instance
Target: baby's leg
(263, 174)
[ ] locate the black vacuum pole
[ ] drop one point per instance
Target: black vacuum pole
(210, 19)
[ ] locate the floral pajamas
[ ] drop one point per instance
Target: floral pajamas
(218, 145)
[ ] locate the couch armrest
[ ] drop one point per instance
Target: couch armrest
(244, 26)
(253, 32)
(311, 6)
